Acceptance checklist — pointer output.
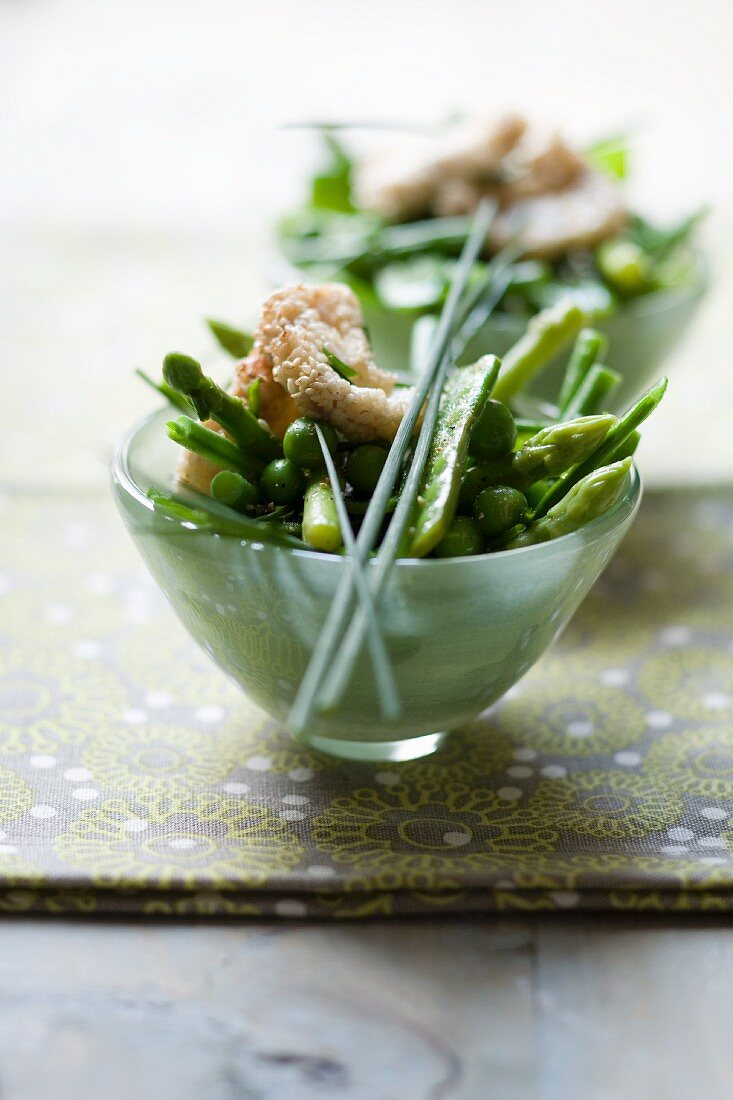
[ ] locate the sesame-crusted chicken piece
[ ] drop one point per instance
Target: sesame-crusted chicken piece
(551, 224)
(195, 471)
(406, 179)
(277, 408)
(298, 322)
(546, 192)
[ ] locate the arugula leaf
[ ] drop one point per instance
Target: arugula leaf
(611, 155)
(331, 188)
(234, 340)
(253, 396)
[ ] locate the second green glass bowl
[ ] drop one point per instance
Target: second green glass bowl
(460, 632)
(641, 336)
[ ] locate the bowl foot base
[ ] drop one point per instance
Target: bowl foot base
(378, 752)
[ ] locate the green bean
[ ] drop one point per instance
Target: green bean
(616, 436)
(464, 397)
(234, 340)
(589, 346)
(231, 488)
(546, 334)
(321, 530)
(209, 444)
(590, 396)
(210, 401)
(586, 500)
(625, 449)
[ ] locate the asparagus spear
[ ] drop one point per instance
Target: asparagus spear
(592, 392)
(546, 334)
(616, 436)
(558, 447)
(210, 401)
(588, 498)
(321, 529)
(207, 443)
(464, 397)
(589, 346)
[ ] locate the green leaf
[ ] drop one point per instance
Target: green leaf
(253, 396)
(331, 188)
(234, 340)
(341, 368)
(611, 155)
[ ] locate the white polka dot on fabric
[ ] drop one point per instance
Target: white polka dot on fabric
(6, 584)
(210, 713)
(77, 775)
(614, 677)
(675, 635)
(658, 719)
(182, 843)
(716, 700)
(525, 754)
(712, 842)
(714, 813)
(627, 759)
(85, 794)
(520, 771)
(579, 728)
(711, 860)
(42, 761)
(290, 907)
(99, 584)
(673, 849)
(86, 650)
(236, 788)
(456, 839)
(259, 763)
(42, 811)
(554, 771)
(319, 870)
(509, 794)
(135, 716)
(292, 815)
(387, 779)
(8, 850)
(158, 699)
(135, 825)
(300, 775)
(295, 800)
(679, 832)
(58, 613)
(565, 899)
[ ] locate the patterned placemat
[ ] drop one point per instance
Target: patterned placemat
(135, 778)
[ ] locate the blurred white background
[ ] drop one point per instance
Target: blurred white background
(144, 155)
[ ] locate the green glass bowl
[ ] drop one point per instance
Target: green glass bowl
(641, 336)
(460, 632)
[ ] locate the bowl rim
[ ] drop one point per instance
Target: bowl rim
(591, 532)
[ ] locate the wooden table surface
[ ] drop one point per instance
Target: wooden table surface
(450, 1009)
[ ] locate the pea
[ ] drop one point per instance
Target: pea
(477, 478)
(497, 509)
(461, 539)
(494, 432)
(363, 467)
(233, 489)
(282, 482)
(301, 446)
(624, 265)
